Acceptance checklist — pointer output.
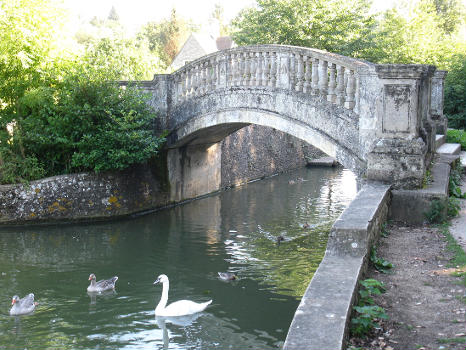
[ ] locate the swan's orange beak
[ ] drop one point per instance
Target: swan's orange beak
(13, 301)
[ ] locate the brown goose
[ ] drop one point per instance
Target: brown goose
(102, 285)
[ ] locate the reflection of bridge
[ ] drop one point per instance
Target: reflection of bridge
(374, 119)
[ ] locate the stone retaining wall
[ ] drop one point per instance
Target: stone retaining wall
(321, 320)
(83, 196)
(255, 151)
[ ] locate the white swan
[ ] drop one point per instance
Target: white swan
(178, 308)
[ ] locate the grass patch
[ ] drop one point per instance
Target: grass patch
(459, 258)
(458, 340)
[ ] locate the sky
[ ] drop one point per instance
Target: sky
(135, 13)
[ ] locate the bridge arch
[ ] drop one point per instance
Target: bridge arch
(213, 125)
(374, 119)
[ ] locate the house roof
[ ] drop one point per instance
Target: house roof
(198, 45)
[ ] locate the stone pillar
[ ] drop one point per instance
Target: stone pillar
(400, 152)
(194, 171)
(436, 102)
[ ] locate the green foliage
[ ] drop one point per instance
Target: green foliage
(453, 207)
(457, 136)
(367, 313)
(459, 258)
(15, 168)
(383, 230)
(86, 125)
(367, 319)
(436, 212)
(455, 95)
(454, 187)
(58, 113)
(336, 26)
(380, 264)
(370, 287)
(116, 58)
(166, 37)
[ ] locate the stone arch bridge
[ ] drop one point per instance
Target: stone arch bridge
(378, 120)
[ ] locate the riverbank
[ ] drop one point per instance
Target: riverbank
(425, 296)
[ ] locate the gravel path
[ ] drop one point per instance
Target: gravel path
(425, 303)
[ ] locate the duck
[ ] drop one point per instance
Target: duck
(227, 276)
(178, 308)
(101, 286)
(22, 306)
(280, 239)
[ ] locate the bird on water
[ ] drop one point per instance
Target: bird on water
(101, 285)
(178, 308)
(22, 306)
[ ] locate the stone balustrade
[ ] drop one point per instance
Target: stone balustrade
(377, 119)
(332, 77)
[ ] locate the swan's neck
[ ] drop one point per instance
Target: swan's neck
(164, 298)
(93, 282)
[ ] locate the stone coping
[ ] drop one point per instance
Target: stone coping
(321, 320)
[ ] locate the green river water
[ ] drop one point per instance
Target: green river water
(235, 230)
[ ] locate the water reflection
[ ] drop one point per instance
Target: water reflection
(235, 231)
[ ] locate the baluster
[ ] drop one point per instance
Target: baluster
(258, 69)
(234, 69)
(332, 83)
(292, 72)
(315, 76)
(176, 88)
(265, 69)
(182, 85)
(356, 106)
(214, 73)
(350, 89)
(245, 74)
(323, 79)
(217, 72)
(340, 99)
(208, 75)
(307, 74)
(230, 70)
(207, 78)
(188, 82)
(273, 69)
(194, 81)
(202, 79)
(252, 69)
(300, 74)
(239, 69)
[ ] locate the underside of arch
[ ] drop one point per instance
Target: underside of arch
(213, 127)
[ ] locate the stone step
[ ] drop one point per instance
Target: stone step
(324, 161)
(439, 140)
(463, 159)
(449, 148)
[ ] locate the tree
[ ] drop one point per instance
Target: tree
(113, 15)
(451, 12)
(166, 37)
(218, 15)
(337, 26)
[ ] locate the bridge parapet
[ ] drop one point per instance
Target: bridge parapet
(318, 73)
(379, 120)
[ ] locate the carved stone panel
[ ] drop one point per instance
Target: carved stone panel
(397, 108)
